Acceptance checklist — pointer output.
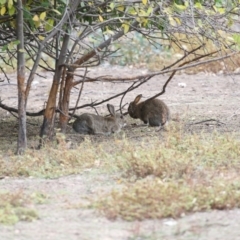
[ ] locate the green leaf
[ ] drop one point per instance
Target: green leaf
(16, 42)
(36, 18)
(236, 38)
(132, 11)
(42, 16)
(3, 1)
(221, 10)
(11, 11)
(10, 4)
(41, 37)
(149, 11)
(177, 20)
(100, 18)
(179, 7)
(5, 47)
(3, 10)
(198, 5)
(120, 8)
(142, 13)
(49, 25)
(126, 27)
(112, 5)
(56, 11)
(65, 1)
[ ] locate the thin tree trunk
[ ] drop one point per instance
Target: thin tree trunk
(49, 114)
(64, 101)
(22, 131)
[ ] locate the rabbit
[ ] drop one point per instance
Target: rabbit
(94, 124)
(153, 112)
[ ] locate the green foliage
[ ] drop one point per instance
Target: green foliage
(40, 18)
(137, 50)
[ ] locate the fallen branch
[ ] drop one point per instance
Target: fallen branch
(208, 120)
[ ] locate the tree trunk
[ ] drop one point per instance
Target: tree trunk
(64, 102)
(22, 131)
(49, 114)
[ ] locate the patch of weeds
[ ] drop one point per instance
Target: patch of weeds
(179, 156)
(39, 198)
(50, 161)
(158, 199)
(16, 207)
(171, 177)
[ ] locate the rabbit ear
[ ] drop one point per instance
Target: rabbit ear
(137, 99)
(111, 109)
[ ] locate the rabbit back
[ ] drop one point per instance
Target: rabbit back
(153, 112)
(95, 124)
(84, 124)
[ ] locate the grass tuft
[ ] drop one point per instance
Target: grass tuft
(16, 207)
(154, 198)
(50, 162)
(171, 177)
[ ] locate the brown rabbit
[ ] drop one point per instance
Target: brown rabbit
(94, 124)
(153, 112)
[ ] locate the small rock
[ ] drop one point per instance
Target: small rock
(182, 85)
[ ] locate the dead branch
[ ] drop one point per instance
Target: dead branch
(110, 98)
(181, 67)
(128, 90)
(30, 114)
(208, 120)
(79, 95)
(174, 72)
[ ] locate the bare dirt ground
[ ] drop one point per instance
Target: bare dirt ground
(205, 97)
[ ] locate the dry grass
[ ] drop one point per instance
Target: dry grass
(167, 175)
(157, 198)
(18, 206)
(49, 162)
(183, 173)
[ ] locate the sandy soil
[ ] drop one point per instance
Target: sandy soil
(205, 97)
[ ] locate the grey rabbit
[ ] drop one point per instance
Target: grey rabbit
(94, 124)
(153, 112)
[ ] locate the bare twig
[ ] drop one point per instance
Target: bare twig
(208, 120)
(79, 95)
(174, 72)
